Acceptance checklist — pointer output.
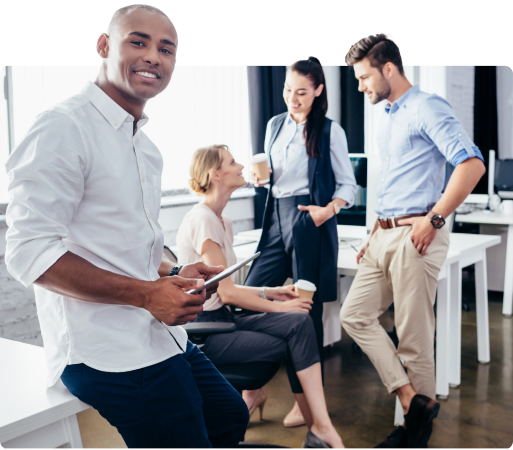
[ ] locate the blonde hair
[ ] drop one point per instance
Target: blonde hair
(203, 160)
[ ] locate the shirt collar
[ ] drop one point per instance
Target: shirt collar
(291, 120)
(108, 108)
(401, 101)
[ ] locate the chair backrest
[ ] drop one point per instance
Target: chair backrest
(170, 255)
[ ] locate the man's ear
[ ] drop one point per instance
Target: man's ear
(102, 46)
(389, 69)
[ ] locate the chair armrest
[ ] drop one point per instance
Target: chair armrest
(202, 328)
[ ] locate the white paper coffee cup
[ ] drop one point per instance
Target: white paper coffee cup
(305, 289)
(260, 167)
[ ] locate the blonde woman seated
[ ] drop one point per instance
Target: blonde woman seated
(283, 331)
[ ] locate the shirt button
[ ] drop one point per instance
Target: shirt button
(459, 134)
(388, 136)
(142, 179)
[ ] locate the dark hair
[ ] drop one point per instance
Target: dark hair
(378, 49)
(312, 69)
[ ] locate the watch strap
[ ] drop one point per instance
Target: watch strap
(262, 292)
(175, 270)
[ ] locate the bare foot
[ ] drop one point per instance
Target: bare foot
(328, 434)
(250, 397)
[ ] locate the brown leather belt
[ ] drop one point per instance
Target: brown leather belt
(391, 222)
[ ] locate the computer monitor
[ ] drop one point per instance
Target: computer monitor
(357, 214)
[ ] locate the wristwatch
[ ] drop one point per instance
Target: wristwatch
(175, 270)
(336, 208)
(262, 292)
(436, 220)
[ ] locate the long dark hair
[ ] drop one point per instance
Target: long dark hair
(312, 69)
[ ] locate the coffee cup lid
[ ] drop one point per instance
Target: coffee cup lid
(305, 285)
(258, 158)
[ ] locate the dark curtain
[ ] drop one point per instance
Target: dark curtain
(352, 110)
(265, 86)
(485, 118)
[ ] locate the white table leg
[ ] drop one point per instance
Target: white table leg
(483, 332)
(73, 431)
(454, 374)
(507, 306)
(442, 337)
(399, 413)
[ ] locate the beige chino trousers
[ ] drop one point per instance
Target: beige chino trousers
(392, 270)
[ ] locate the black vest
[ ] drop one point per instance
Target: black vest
(321, 183)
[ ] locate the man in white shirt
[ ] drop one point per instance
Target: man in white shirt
(83, 228)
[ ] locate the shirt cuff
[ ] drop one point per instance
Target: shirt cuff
(463, 155)
(27, 268)
(345, 193)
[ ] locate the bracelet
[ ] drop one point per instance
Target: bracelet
(262, 292)
(175, 270)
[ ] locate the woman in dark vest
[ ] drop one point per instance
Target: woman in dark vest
(311, 179)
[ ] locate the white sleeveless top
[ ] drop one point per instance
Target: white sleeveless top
(200, 224)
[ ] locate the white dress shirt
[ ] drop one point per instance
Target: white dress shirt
(82, 181)
(290, 162)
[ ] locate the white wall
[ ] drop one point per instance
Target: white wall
(332, 75)
(505, 111)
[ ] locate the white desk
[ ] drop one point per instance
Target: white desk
(497, 218)
(32, 415)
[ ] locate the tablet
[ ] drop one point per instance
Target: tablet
(225, 273)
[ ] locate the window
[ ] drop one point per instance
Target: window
(4, 140)
(201, 106)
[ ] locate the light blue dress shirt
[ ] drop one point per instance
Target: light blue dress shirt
(416, 136)
(290, 162)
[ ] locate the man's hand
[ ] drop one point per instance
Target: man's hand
(202, 271)
(422, 232)
(362, 251)
(169, 303)
(318, 213)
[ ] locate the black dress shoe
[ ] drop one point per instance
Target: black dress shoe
(419, 420)
(397, 439)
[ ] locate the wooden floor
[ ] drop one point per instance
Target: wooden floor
(479, 413)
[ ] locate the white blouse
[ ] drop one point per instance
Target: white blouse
(199, 225)
(290, 161)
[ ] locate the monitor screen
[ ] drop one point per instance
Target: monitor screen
(357, 214)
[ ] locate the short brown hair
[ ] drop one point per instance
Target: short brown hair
(203, 160)
(378, 49)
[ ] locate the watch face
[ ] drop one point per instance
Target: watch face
(438, 221)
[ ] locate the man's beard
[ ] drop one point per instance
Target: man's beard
(383, 91)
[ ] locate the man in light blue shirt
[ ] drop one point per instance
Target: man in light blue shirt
(408, 245)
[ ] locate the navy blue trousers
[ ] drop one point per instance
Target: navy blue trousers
(291, 248)
(181, 402)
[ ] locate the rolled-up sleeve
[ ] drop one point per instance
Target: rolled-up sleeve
(438, 123)
(46, 184)
(341, 165)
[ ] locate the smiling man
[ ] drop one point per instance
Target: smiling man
(401, 261)
(83, 228)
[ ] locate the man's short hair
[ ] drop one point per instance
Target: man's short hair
(116, 18)
(378, 49)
